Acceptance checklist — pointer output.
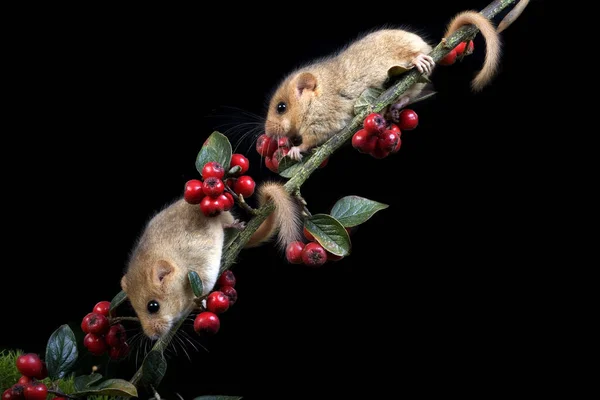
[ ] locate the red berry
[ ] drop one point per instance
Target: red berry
(308, 235)
(227, 200)
(374, 123)
(360, 139)
(470, 48)
(17, 391)
(230, 182)
(278, 155)
(8, 395)
(24, 380)
(379, 153)
(230, 292)
(460, 48)
(213, 187)
(213, 170)
(293, 253)
(408, 119)
(314, 255)
(394, 128)
(29, 365)
(35, 391)
(270, 165)
(388, 141)
(240, 161)
(193, 193)
(324, 163)
(207, 323)
(116, 336)
(44, 373)
(397, 148)
(449, 59)
(244, 186)
(211, 206)
(227, 278)
(117, 353)
(217, 302)
(265, 145)
(95, 323)
(95, 344)
(102, 307)
(283, 141)
(333, 257)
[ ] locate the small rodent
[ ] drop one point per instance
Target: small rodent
(317, 101)
(179, 239)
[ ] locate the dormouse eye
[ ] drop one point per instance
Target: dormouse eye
(153, 306)
(281, 107)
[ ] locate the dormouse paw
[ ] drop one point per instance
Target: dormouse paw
(424, 63)
(295, 153)
(236, 224)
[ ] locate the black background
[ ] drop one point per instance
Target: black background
(109, 110)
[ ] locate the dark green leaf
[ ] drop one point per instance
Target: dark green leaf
(288, 167)
(423, 79)
(354, 210)
(196, 283)
(154, 368)
(425, 94)
(396, 70)
(85, 381)
(330, 233)
(234, 170)
(217, 148)
(61, 352)
(117, 301)
(230, 235)
(218, 398)
(366, 100)
(110, 387)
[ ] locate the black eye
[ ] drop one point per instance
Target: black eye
(281, 107)
(153, 307)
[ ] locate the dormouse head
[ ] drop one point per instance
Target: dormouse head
(158, 295)
(289, 105)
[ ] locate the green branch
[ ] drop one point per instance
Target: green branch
(322, 152)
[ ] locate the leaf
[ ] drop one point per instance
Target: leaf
(288, 167)
(230, 235)
(110, 387)
(216, 148)
(330, 233)
(117, 301)
(85, 381)
(218, 398)
(154, 368)
(354, 210)
(423, 79)
(61, 352)
(366, 99)
(235, 170)
(396, 70)
(425, 94)
(196, 283)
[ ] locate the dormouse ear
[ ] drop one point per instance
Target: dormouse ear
(162, 271)
(306, 82)
(124, 283)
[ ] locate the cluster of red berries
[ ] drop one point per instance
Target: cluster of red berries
(311, 254)
(214, 195)
(450, 58)
(29, 387)
(101, 336)
(207, 322)
(380, 138)
(273, 149)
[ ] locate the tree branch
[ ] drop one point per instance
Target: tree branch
(322, 152)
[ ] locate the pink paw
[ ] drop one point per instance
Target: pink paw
(424, 63)
(295, 153)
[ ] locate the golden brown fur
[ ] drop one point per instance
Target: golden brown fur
(179, 239)
(320, 97)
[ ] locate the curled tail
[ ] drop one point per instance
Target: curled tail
(492, 44)
(285, 219)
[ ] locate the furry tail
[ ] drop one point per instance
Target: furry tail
(492, 44)
(285, 219)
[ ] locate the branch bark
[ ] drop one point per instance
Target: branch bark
(293, 185)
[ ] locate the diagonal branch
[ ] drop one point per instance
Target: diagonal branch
(293, 185)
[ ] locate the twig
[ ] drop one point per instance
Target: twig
(58, 393)
(116, 320)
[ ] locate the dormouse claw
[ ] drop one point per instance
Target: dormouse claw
(295, 153)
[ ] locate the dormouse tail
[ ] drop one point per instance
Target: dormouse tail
(492, 44)
(286, 219)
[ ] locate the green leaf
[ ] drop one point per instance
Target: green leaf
(230, 235)
(110, 387)
(330, 233)
(288, 167)
(117, 301)
(425, 94)
(423, 79)
(216, 148)
(235, 170)
(396, 71)
(154, 368)
(354, 210)
(61, 352)
(218, 398)
(85, 381)
(196, 283)
(366, 100)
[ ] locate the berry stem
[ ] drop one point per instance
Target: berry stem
(58, 393)
(116, 320)
(241, 202)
